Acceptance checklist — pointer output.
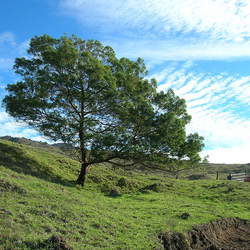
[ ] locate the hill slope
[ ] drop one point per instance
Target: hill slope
(116, 210)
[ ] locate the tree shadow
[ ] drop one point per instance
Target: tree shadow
(15, 159)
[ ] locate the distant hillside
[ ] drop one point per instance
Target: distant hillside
(25, 141)
(62, 145)
(205, 171)
(225, 169)
(62, 148)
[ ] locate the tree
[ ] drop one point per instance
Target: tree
(186, 157)
(79, 92)
(205, 160)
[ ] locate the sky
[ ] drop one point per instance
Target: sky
(200, 49)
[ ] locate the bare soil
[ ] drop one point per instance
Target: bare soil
(55, 242)
(223, 234)
(9, 187)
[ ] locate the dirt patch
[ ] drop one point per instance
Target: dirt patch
(4, 212)
(155, 187)
(194, 177)
(6, 186)
(55, 242)
(223, 234)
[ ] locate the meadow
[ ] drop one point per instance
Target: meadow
(116, 209)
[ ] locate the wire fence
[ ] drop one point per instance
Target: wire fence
(243, 177)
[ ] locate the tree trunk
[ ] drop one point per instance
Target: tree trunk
(82, 176)
(84, 158)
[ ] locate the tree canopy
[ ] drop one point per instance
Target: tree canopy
(79, 92)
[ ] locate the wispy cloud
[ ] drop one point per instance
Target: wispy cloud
(16, 129)
(166, 29)
(8, 38)
(220, 19)
(6, 63)
(180, 49)
(7, 43)
(9, 49)
(214, 101)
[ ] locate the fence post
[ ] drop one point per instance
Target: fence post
(217, 175)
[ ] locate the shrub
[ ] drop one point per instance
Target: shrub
(122, 182)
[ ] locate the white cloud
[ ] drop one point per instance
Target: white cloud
(3, 116)
(6, 63)
(42, 139)
(212, 101)
(220, 128)
(166, 29)
(7, 37)
(220, 19)
(9, 49)
(17, 129)
(180, 49)
(232, 155)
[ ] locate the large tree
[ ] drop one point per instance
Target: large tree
(79, 92)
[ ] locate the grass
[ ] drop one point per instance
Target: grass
(116, 209)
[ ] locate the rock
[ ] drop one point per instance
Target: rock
(114, 192)
(184, 216)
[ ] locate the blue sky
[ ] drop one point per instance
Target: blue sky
(201, 49)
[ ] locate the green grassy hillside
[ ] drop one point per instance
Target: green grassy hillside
(117, 209)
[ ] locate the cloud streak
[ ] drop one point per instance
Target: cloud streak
(9, 49)
(17, 129)
(179, 49)
(220, 19)
(168, 30)
(214, 101)
(7, 38)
